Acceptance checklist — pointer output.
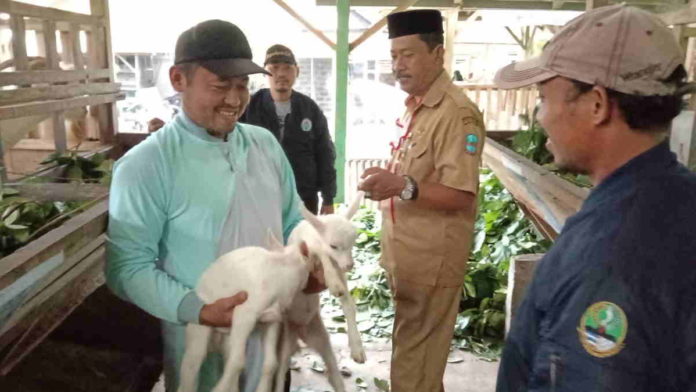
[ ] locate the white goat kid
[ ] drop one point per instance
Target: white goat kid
(246, 269)
(330, 239)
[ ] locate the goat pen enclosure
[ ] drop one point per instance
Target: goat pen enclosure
(70, 82)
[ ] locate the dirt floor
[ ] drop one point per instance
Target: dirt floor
(108, 345)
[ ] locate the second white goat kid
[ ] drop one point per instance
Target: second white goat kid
(246, 269)
(330, 239)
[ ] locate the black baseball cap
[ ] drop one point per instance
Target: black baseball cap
(218, 46)
(279, 54)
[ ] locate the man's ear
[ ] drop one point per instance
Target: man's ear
(177, 78)
(601, 110)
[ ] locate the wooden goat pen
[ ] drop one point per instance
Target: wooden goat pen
(45, 280)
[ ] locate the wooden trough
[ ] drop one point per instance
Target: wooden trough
(44, 281)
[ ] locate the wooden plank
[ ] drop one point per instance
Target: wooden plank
(107, 115)
(500, 135)
(17, 8)
(19, 43)
(61, 192)
(54, 305)
(67, 238)
(52, 76)
(33, 108)
(550, 197)
(403, 5)
(308, 25)
(20, 95)
(520, 274)
(51, 51)
(66, 45)
(60, 138)
(78, 59)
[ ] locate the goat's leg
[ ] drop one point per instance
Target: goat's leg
(197, 339)
(243, 322)
(270, 359)
(288, 346)
(317, 338)
(354, 341)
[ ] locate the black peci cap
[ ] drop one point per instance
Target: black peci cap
(218, 46)
(414, 22)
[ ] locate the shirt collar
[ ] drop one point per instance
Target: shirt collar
(198, 131)
(433, 96)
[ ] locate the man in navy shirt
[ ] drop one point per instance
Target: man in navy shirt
(612, 306)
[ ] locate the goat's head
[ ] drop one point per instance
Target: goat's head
(337, 233)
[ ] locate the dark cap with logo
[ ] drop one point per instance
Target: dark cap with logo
(414, 22)
(279, 54)
(218, 46)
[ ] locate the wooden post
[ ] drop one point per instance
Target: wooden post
(451, 18)
(592, 4)
(342, 52)
(19, 44)
(101, 57)
(78, 59)
(520, 274)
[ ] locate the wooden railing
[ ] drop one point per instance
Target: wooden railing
(354, 169)
(502, 108)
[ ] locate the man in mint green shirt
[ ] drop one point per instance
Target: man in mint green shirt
(200, 187)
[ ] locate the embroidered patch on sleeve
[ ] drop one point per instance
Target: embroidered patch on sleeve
(472, 143)
(603, 329)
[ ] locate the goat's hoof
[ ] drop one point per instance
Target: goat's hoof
(358, 355)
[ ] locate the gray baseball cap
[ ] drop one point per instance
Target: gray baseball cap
(218, 46)
(622, 48)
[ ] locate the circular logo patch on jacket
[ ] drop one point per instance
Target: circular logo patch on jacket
(306, 125)
(602, 329)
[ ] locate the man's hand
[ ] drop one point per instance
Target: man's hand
(316, 282)
(380, 184)
(326, 209)
(154, 124)
(219, 313)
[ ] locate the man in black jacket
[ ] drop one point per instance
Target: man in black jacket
(300, 127)
(612, 306)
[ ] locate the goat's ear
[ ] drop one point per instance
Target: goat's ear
(354, 205)
(274, 245)
(312, 219)
(304, 249)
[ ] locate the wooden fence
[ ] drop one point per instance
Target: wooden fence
(502, 108)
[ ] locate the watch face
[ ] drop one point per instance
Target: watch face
(407, 194)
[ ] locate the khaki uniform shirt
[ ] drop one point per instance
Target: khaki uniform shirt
(442, 144)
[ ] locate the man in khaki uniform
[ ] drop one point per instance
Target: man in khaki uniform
(428, 202)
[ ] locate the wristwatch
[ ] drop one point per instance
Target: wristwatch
(410, 191)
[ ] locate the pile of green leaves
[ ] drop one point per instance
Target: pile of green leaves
(23, 219)
(501, 232)
(95, 169)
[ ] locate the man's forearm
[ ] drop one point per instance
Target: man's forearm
(440, 197)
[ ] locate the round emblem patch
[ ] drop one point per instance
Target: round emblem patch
(471, 138)
(602, 329)
(306, 125)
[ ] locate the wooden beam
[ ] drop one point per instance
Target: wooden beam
(341, 119)
(60, 138)
(29, 94)
(592, 4)
(29, 109)
(51, 50)
(575, 5)
(684, 15)
(19, 42)
(308, 25)
(100, 56)
(404, 5)
(452, 18)
(34, 77)
(547, 195)
(23, 9)
(78, 59)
